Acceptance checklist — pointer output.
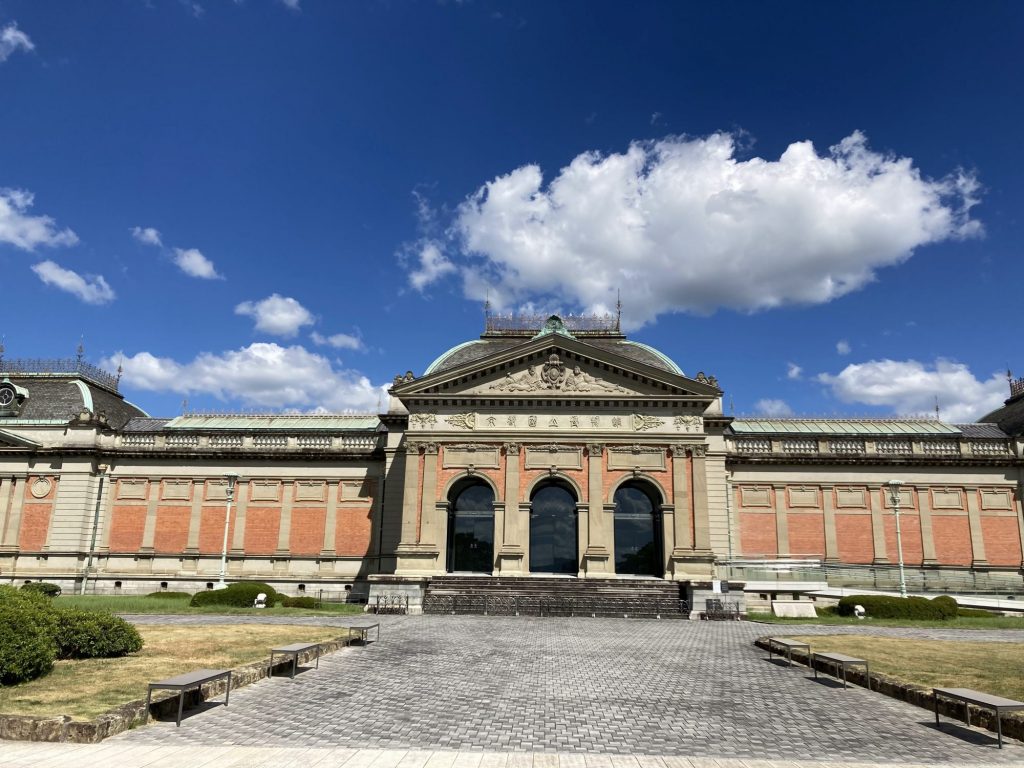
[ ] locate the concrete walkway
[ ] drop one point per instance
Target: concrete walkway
(502, 692)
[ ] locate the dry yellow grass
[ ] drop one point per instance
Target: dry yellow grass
(996, 668)
(84, 689)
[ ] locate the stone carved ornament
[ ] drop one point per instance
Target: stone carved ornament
(553, 375)
(462, 420)
(423, 420)
(689, 423)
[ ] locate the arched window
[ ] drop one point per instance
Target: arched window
(638, 534)
(471, 528)
(553, 538)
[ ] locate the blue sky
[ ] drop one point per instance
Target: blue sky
(268, 204)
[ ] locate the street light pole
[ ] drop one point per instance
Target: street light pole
(232, 478)
(894, 497)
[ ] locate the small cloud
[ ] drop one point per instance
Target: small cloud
(843, 347)
(24, 231)
(291, 4)
(90, 289)
(770, 407)
(337, 340)
(655, 118)
(192, 262)
(147, 236)
(276, 314)
(794, 371)
(433, 265)
(13, 39)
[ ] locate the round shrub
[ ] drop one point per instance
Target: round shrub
(169, 595)
(299, 602)
(947, 606)
(27, 648)
(241, 594)
(43, 588)
(82, 634)
(885, 607)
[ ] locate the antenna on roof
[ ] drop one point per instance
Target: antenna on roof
(732, 405)
(2, 338)
(1009, 374)
(937, 418)
(120, 370)
(618, 310)
(184, 407)
(80, 352)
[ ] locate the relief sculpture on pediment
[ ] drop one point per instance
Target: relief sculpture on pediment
(554, 375)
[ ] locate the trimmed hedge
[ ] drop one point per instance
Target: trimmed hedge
(169, 595)
(27, 647)
(885, 607)
(976, 613)
(241, 594)
(43, 588)
(947, 606)
(82, 634)
(299, 602)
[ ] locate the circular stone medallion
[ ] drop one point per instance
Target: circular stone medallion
(41, 488)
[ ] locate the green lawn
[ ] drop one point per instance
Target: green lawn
(987, 622)
(177, 605)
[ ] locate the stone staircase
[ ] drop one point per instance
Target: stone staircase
(554, 596)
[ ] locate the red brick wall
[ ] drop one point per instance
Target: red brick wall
(910, 531)
(445, 476)
(853, 538)
(211, 529)
(35, 524)
(171, 533)
(1002, 540)
(307, 533)
(352, 531)
(952, 539)
(757, 533)
(127, 523)
(806, 533)
(262, 526)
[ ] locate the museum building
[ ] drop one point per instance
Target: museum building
(547, 448)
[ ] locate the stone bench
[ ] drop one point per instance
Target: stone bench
(841, 662)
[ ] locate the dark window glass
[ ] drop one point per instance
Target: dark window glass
(471, 530)
(637, 533)
(553, 531)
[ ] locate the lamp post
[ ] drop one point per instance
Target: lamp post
(894, 497)
(101, 469)
(232, 478)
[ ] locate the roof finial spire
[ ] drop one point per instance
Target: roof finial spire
(618, 310)
(1009, 373)
(80, 351)
(120, 371)
(184, 407)
(937, 416)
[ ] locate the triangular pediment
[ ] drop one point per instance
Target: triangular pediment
(12, 441)
(555, 366)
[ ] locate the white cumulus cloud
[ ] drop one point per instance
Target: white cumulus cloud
(337, 340)
(843, 347)
(147, 236)
(276, 314)
(909, 387)
(769, 407)
(794, 371)
(192, 262)
(92, 289)
(262, 374)
(683, 224)
(25, 231)
(13, 39)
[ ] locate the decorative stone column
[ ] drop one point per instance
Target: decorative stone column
(781, 519)
(828, 507)
(691, 557)
(924, 512)
(511, 551)
(877, 525)
(416, 558)
(595, 522)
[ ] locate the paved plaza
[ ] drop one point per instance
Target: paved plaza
(489, 692)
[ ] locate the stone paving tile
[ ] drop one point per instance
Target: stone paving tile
(596, 687)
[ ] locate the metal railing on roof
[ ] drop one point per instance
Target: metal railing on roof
(79, 368)
(524, 323)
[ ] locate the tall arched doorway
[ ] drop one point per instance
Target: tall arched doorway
(471, 528)
(638, 534)
(553, 542)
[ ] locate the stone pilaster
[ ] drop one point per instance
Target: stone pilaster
(828, 504)
(284, 530)
(781, 520)
(194, 520)
(149, 530)
(701, 522)
(13, 526)
(683, 540)
(978, 559)
(241, 504)
(924, 511)
(415, 555)
(331, 521)
(877, 525)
